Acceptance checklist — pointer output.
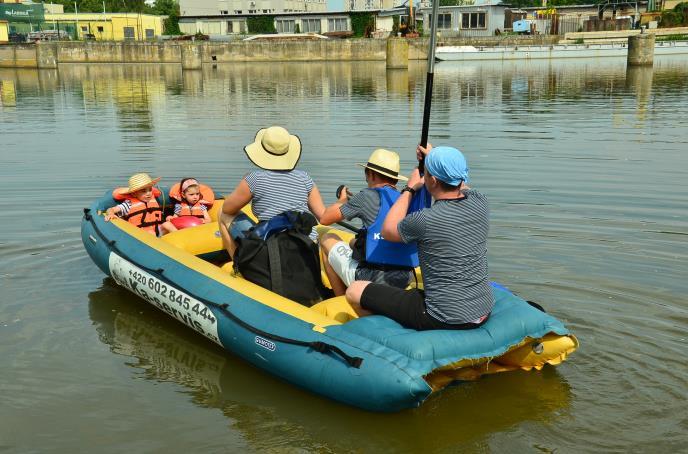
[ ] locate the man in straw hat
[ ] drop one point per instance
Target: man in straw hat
(452, 247)
(138, 203)
(274, 189)
(369, 257)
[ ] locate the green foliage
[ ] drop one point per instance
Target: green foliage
(675, 37)
(362, 24)
(111, 6)
(675, 18)
(261, 24)
(168, 8)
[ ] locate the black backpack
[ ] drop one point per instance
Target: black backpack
(287, 262)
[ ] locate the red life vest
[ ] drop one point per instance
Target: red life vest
(146, 216)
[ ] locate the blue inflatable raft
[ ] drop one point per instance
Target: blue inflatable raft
(370, 362)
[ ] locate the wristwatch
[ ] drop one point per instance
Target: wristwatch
(408, 189)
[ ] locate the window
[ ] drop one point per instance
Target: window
(337, 25)
(237, 11)
(224, 12)
(310, 25)
(230, 27)
(101, 29)
(443, 21)
(285, 26)
(150, 33)
(473, 20)
(265, 11)
(84, 28)
(129, 33)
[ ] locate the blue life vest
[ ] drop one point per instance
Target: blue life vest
(382, 252)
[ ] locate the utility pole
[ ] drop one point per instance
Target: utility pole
(76, 10)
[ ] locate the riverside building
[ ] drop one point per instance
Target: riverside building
(248, 7)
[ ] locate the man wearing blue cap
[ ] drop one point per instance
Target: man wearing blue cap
(451, 237)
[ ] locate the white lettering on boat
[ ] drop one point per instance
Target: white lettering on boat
(165, 297)
(266, 344)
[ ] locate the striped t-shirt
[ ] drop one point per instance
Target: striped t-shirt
(452, 250)
(275, 192)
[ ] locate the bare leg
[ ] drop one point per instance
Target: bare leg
(327, 242)
(167, 227)
(227, 242)
(353, 296)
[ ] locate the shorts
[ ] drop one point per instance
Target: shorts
(407, 307)
(349, 269)
(342, 262)
(239, 226)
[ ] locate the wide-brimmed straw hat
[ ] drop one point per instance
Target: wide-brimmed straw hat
(385, 163)
(137, 182)
(274, 149)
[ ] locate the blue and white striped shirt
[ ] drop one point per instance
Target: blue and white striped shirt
(275, 192)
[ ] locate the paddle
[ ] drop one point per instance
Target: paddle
(423, 199)
(429, 80)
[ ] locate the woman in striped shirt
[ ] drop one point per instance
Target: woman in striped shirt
(275, 188)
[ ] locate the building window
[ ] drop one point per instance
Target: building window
(230, 27)
(150, 33)
(443, 21)
(265, 11)
(101, 29)
(473, 20)
(237, 11)
(337, 25)
(285, 26)
(129, 33)
(310, 25)
(84, 28)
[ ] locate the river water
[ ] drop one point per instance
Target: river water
(584, 163)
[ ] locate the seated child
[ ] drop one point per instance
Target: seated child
(138, 204)
(191, 201)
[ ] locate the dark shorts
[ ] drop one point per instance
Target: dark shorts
(406, 307)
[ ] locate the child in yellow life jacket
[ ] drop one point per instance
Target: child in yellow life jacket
(193, 199)
(138, 203)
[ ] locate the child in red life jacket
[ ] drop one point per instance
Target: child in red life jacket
(192, 200)
(138, 204)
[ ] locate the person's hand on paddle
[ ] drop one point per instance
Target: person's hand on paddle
(422, 152)
(416, 181)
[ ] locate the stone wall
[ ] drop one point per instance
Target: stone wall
(193, 54)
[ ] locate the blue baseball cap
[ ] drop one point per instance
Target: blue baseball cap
(447, 164)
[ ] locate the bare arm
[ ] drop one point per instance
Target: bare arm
(237, 199)
(315, 203)
(390, 228)
(112, 212)
(333, 213)
(206, 217)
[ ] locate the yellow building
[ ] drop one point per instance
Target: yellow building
(108, 26)
(4, 33)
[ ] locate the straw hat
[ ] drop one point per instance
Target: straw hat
(274, 149)
(137, 182)
(385, 163)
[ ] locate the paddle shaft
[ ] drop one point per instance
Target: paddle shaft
(429, 80)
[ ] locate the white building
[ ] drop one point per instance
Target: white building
(239, 7)
(366, 5)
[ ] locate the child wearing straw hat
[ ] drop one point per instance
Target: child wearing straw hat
(369, 257)
(138, 204)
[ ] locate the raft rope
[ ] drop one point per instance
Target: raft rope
(318, 346)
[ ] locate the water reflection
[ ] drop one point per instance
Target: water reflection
(639, 80)
(8, 93)
(269, 412)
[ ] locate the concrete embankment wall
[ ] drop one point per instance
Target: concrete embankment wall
(193, 54)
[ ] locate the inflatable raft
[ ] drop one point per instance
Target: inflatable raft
(370, 362)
